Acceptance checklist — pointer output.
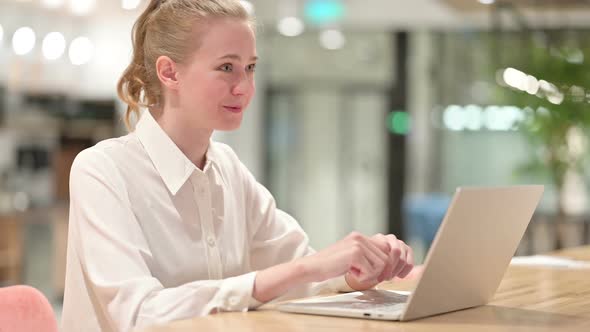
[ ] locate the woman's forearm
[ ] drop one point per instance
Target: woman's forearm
(353, 254)
(277, 280)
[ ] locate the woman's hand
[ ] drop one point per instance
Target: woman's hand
(365, 261)
(400, 262)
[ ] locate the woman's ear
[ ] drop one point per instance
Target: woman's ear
(167, 72)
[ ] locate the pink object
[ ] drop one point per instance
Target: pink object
(24, 309)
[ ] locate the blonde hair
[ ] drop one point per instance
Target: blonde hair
(165, 28)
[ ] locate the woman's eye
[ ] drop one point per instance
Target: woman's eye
(227, 67)
(251, 67)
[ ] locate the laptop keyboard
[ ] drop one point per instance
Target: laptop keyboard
(378, 301)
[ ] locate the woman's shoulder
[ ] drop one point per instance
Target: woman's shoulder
(105, 154)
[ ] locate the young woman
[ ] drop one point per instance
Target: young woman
(166, 224)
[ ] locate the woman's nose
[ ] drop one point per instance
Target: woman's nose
(243, 86)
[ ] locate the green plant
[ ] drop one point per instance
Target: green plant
(556, 119)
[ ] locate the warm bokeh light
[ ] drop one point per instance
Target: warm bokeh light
(82, 7)
(54, 45)
(81, 51)
(23, 40)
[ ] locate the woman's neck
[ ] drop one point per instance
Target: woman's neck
(193, 142)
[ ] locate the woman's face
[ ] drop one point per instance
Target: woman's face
(216, 84)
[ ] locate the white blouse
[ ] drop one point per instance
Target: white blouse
(152, 238)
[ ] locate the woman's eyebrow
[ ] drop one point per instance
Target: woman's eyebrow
(237, 57)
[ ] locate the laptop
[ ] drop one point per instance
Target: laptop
(464, 266)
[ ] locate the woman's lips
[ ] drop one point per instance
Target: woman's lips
(233, 109)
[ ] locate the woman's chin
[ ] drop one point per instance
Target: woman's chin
(229, 125)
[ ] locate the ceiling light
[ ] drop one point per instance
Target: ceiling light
(332, 39)
(81, 51)
(290, 26)
(54, 45)
(23, 40)
(82, 7)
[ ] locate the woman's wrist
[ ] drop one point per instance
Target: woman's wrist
(275, 281)
(356, 285)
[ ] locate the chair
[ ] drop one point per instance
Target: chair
(25, 309)
(423, 214)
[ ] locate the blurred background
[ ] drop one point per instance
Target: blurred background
(368, 115)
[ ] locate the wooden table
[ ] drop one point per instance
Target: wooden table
(529, 299)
